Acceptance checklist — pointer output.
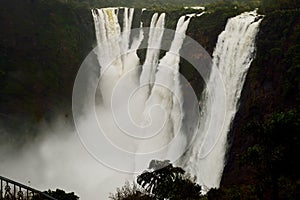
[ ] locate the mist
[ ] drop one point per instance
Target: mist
(106, 147)
(57, 159)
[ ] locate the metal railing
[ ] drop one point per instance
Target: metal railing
(12, 190)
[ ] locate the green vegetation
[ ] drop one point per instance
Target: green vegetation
(130, 192)
(271, 5)
(59, 195)
(161, 181)
(272, 159)
(274, 156)
(62, 195)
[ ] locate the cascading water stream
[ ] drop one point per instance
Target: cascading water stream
(231, 59)
(141, 104)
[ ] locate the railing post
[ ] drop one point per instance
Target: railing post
(14, 190)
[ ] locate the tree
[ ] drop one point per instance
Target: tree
(161, 181)
(58, 194)
(130, 192)
(275, 153)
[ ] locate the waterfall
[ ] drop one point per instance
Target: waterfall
(141, 105)
(232, 57)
